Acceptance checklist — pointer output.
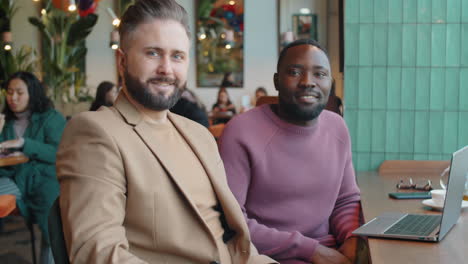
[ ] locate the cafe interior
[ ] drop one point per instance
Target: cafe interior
(400, 83)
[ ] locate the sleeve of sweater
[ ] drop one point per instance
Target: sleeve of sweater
(269, 241)
(345, 217)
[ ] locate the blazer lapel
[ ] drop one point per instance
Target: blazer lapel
(173, 167)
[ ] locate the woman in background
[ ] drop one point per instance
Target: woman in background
(223, 110)
(228, 80)
(190, 106)
(259, 92)
(106, 93)
(31, 125)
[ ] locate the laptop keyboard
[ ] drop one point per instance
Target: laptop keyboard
(415, 225)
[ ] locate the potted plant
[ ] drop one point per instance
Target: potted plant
(63, 50)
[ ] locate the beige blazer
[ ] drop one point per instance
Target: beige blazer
(122, 200)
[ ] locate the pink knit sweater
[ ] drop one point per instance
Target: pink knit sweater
(296, 185)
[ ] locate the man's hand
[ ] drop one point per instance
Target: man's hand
(12, 144)
(349, 248)
(328, 255)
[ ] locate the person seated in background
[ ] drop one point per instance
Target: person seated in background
(223, 110)
(289, 165)
(259, 92)
(228, 80)
(31, 125)
(106, 93)
(334, 103)
(191, 107)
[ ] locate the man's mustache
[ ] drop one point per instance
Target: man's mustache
(164, 80)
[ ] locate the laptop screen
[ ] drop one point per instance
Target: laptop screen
(455, 190)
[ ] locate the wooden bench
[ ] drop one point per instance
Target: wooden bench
(413, 166)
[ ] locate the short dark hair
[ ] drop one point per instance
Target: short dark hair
(38, 101)
(261, 89)
(101, 92)
(145, 10)
(297, 43)
(226, 82)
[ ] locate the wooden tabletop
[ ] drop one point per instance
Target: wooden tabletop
(374, 195)
(13, 160)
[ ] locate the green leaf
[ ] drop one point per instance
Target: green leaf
(81, 29)
(204, 8)
(76, 55)
(37, 23)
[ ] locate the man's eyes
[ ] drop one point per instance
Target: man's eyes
(295, 72)
(152, 53)
(320, 74)
(178, 56)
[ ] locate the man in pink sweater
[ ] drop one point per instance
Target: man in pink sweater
(290, 167)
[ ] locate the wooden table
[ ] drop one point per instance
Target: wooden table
(374, 195)
(13, 160)
(216, 117)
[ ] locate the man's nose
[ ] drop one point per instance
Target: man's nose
(165, 66)
(307, 80)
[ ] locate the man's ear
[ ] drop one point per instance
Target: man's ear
(275, 80)
(121, 61)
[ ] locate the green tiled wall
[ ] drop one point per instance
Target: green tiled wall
(406, 79)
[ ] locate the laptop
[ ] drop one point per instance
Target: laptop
(428, 227)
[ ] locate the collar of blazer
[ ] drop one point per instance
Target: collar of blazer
(204, 147)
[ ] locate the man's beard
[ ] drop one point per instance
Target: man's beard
(141, 92)
(295, 112)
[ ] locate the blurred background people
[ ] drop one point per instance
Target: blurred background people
(249, 104)
(32, 126)
(106, 93)
(261, 91)
(228, 80)
(334, 103)
(223, 110)
(191, 107)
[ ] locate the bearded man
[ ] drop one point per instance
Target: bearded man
(138, 183)
(290, 167)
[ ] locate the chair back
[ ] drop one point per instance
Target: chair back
(216, 130)
(57, 240)
(267, 100)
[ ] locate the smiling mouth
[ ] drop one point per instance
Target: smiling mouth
(162, 83)
(309, 98)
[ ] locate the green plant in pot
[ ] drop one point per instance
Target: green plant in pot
(8, 62)
(63, 50)
(11, 61)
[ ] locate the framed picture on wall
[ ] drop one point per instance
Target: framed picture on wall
(305, 26)
(220, 43)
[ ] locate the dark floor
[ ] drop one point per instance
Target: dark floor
(15, 241)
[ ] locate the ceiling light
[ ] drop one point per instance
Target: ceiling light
(304, 11)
